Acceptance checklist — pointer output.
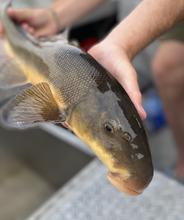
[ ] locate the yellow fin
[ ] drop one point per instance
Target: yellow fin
(32, 107)
(10, 74)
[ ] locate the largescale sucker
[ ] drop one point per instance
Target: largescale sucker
(66, 85)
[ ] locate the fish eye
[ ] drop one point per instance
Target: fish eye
(109, 127)
(127, 136)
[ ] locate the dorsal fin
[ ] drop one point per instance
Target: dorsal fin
(33, 106)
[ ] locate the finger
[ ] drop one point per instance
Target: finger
(128, 79)
(120, 67)
(1, 30)
(25, 26)
(31, 30)
(42, 33)
(28, 28)
(20, 15)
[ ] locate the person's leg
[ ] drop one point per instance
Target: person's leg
(168, 69)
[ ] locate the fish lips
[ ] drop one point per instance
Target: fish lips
(130, 186)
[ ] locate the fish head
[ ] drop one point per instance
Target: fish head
(108, 122)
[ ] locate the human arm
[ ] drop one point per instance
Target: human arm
(147, 21)
(48, 21)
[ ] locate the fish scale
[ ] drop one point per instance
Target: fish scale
(69, 86)
(72, 80)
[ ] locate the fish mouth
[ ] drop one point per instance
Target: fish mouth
(124, 186)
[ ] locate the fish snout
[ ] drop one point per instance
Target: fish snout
(133, 185)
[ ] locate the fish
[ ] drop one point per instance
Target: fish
(63, 84)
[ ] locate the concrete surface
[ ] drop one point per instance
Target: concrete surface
(33, 165)
(21, 189)
(54, 160)
(89, 196)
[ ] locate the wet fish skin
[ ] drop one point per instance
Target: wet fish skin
(127, 157)
(69, 86)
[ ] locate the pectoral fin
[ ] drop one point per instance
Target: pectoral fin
(10, 74)
(32, 107)
(6, 95)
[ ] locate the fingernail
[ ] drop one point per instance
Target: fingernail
(143, 114)
(24, 25)
(31, 30)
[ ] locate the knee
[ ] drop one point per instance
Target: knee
(168, 57)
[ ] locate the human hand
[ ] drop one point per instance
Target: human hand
(115, 59)
(39, 22)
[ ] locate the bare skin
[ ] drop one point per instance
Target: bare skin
(135, 32)
(142, 26)
(168, 68)
(148, 21)
(41, 22)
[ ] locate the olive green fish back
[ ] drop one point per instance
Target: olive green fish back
(72, 71)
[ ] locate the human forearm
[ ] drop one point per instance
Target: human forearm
(69, 11)
(149, 20)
